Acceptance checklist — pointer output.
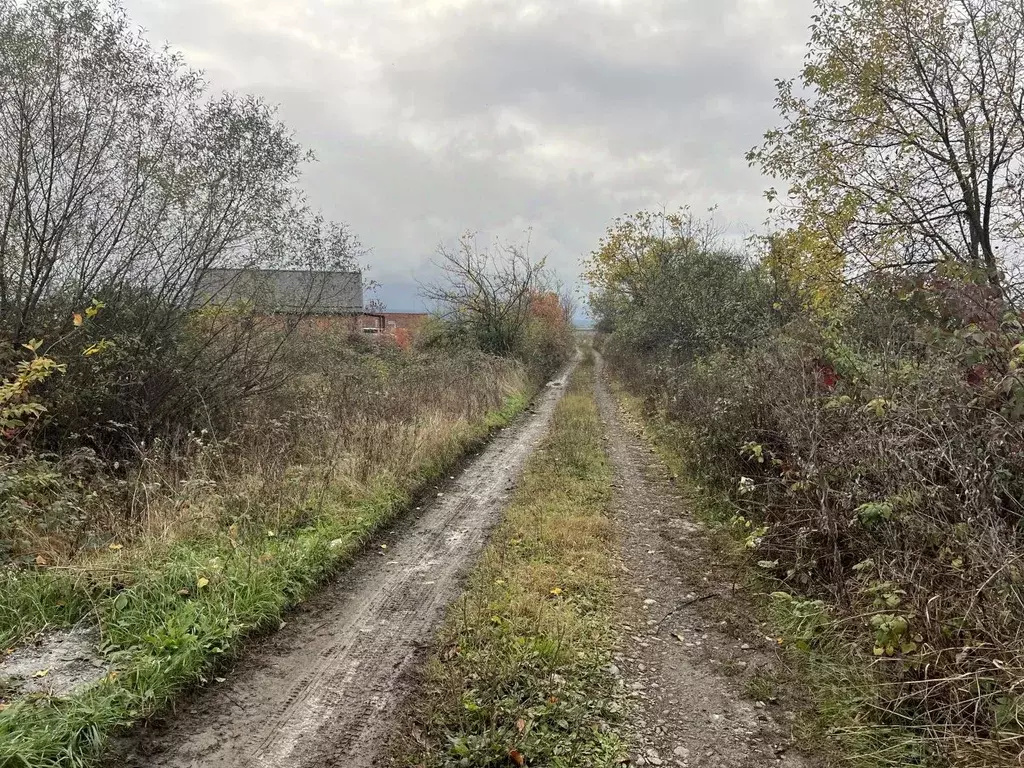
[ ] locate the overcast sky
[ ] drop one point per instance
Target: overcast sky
(433, 117)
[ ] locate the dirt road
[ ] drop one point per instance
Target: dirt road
(320, 691)
(691, 645)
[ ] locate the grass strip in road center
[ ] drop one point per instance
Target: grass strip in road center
(521, 673)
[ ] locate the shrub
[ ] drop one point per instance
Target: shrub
(882, 473)
(872, 464)
(350, 414)
(499, 302)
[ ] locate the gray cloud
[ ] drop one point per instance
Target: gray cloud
(433, 117)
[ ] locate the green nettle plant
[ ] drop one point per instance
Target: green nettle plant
(20, 406)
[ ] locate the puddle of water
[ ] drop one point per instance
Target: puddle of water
(57, 664)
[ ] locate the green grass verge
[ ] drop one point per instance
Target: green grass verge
(520, 672)
(165, 624)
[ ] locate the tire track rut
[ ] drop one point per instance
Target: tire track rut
(685, 657)
(319, 691)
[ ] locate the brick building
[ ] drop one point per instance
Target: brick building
(400, 326)
(325, 300)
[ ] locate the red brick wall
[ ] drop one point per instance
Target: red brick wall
(399, 327)
(408, 321)
(362, 322)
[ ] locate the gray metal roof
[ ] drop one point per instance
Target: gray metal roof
(284, 290)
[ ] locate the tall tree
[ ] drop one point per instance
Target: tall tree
(630, 259)
(902, 140)
(122, 178)
(487, 295)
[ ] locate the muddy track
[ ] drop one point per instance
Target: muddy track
(691, 641)
(321, 692)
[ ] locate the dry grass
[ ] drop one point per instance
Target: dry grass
(348, 423)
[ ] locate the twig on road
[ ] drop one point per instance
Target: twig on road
(680, 607)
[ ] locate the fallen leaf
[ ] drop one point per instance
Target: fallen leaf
(520, 725)
(41, 673)
(40, 560)
(77, 319)
(4, 706)
(556, 591)
(116, 547)
(516, 757)
(202, 582)
(184, 592)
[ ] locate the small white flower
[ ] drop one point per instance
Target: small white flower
(746, 486)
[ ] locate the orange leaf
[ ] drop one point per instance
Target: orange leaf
(40, 560)
(520, 725)
(516, 757)
(78, 320)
